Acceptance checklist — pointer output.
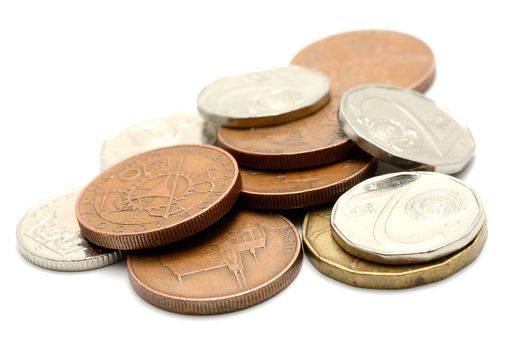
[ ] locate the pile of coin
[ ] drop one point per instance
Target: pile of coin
(198, 221)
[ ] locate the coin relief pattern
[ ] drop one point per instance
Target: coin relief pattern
(244, 252)
(159, 187)
(389, 121)
(428, 213)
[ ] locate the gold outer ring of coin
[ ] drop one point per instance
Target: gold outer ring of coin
(336, 263)
(223, 304)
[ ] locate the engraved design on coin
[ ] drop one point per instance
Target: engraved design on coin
(437, 206)
(393, 134)
(407, 217)
(161, 188)
(228, 254)
(49, 236)
(285, 94)
(173, 129)
(405, 128)
(159, 197)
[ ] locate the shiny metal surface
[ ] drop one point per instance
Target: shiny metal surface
(264, 98)
(48, 236)
(173, 129)
(406, 218)
(405, 128)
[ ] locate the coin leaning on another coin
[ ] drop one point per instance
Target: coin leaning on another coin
(264, 98)
(405, 128)
(159, 197)
(407, 218)
(49, 236)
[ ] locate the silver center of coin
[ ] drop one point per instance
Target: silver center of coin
(262, 94)
(49, 236)
(405, 128)
(173, 129)
(406, 218)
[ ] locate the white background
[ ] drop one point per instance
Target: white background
(73, 72)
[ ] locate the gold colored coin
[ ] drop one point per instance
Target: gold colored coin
(327, 257)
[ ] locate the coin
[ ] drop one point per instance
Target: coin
(370, 56)
(170, 130)
(311, 141)
(159, 197)
(330, 259)
(49, 236)
(304, 188)
(243, 260)
(405, 128)
(407, 218)
(264, 98)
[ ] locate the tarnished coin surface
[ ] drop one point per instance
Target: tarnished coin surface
(159, 197)
(170, 130)
(244, 259)
(304, 188)
(407, 218)
(264, 98)
(405, 128)
(308, 142)
(370, 56)
(49, 236)
(330, 259)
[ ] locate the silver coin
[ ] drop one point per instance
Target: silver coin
(405, 128)
(406, 218)
(49, 236)
(264, 98)
(177, 128)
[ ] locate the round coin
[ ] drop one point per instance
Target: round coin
(170, 130)
(370, 56)
(405, 128)
(159, 197)
(304, 188)
(330, 259)
(264, 98)
(407, 218)
(309, 142)
(241, 261)
(49, 236)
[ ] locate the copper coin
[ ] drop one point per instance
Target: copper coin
(370, 56)
(312, 141)
(158, 197)
(304, 188)
(243, 260)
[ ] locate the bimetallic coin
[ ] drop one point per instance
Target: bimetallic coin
(49, 236)
(159, 197)
(264, 98)
(244, 259)
(370, 56)
(330, 259)
(170, 130)
(304, 188)
(407, 218)
(405, 128)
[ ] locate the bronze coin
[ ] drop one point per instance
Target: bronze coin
(308, 142)
(158, 197)
(244, 259)
(304, 188)
(370, 56)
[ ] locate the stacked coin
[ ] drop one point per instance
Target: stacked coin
(304, 135)
(398, 230)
